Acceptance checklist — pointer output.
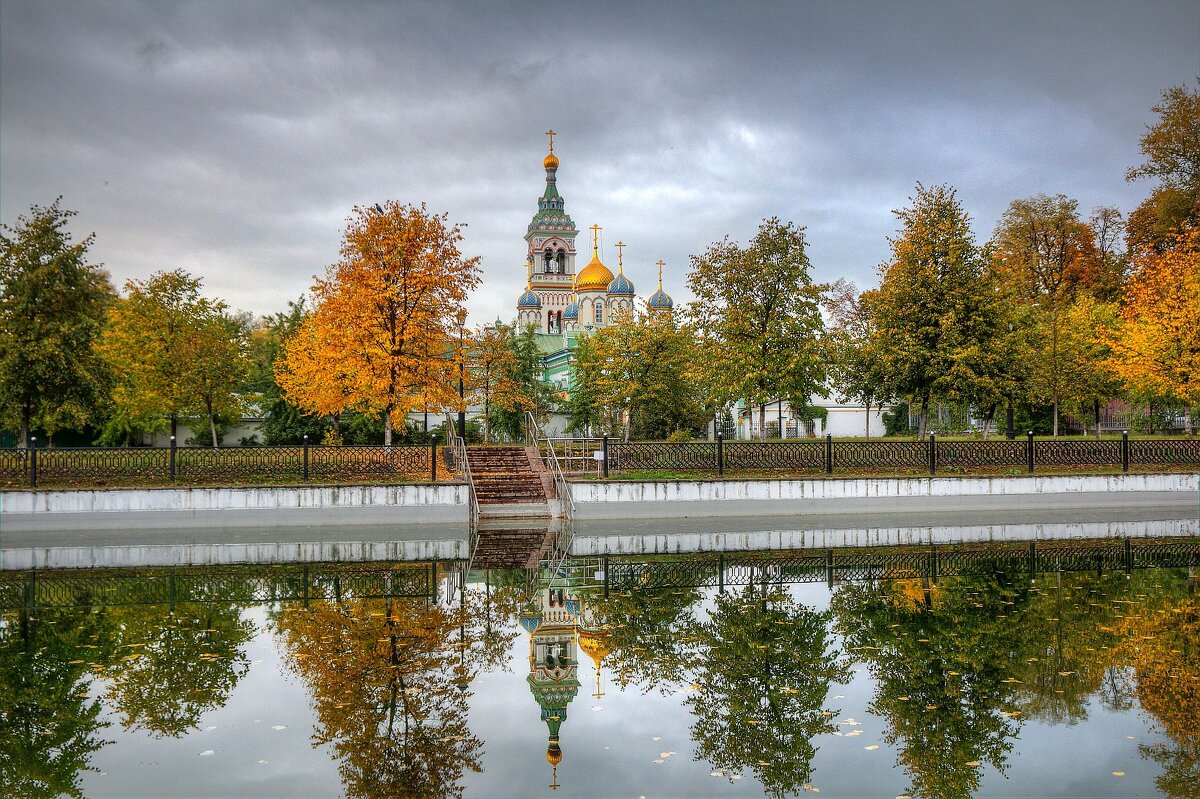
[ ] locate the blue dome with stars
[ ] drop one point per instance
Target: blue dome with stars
(621, 286)
(572, 311)
(529, 300)
(661, 300)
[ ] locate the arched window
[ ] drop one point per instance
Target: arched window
(599, 312)
(562, 262)
(549, 258)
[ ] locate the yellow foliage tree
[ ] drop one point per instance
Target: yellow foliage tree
(1156, 345)
(382, 336)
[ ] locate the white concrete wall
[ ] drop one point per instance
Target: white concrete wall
(256, 498)
(616, 499)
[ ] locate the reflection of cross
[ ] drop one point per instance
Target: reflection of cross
(660, 266)
(595, 237)
(620, 252)
(550, 133)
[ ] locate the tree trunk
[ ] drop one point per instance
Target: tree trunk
(868, 425)
(923, 419)
(987, 420)
(1056, 417)
(387, 426)
(762, 423)
(212, 427)
(26, 414)
(1096, 413)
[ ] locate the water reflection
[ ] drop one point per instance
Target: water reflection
(959, 667)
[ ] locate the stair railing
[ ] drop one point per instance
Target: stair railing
(459, 449)
(545, 446)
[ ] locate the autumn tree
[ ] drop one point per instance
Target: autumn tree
(1044, 256)
(1172, 150)
(381, 337)
(1156, 344)
(757, 315)
(52, 309)
(522, 386)
(936, 317)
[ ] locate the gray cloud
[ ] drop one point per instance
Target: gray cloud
(233, 139)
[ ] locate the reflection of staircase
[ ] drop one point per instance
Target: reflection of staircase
(514, 514)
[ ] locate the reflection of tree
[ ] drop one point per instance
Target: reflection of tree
(389, 694)
(760, 688)
(488, 620)
(1163, 647)
(1069, 642)
(651, 643)
(175, 666)
(48, 728)
(943, 664)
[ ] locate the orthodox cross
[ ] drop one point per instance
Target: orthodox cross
(620, 252)
(595, 237)
(550, 133)
(660, 266)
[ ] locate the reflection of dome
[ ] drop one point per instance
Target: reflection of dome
(553, 753)
(530, 621)
(529, 300)
(596, 644)
(594, 277)
(621, 286)
(551, 161)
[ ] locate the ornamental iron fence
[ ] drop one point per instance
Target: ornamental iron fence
(94, 467)
(852, 457)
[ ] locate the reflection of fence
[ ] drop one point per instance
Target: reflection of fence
(234, 584)
(102, 466)
(809, 566)
(831, 455)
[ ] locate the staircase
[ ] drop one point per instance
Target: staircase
(514, 514)
(504, 476)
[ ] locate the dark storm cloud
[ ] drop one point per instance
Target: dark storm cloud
(232, 139)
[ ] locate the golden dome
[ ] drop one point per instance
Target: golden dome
(550, 161)
(594, 277)
(553, 755)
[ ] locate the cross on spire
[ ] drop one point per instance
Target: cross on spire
(620, 251)
(595, 239)
(660, 266)
(551, 133)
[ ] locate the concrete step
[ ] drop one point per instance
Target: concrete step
(515, 510)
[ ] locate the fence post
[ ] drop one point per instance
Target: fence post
(304, 458)
(933, 564)
(1029, 451)
(604, 565)
(1032, 561)
(604, 456)
(1128, 557)
(33, 462)
(1124, 450)
(828, 453)
(720, 455)
(172, 459)
(721, 572)
(829, 567)
(932, 455)
(433, 460)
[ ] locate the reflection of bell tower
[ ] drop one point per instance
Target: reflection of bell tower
(553, 664)
(596, 644)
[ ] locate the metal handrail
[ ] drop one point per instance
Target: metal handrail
(535, 438)
(459, 447)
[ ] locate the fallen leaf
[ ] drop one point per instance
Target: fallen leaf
(206, 753)
(871, 748)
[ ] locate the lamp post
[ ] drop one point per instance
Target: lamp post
(462, 356)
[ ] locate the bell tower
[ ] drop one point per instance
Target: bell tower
(550, 252)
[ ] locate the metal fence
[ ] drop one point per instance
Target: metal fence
(831, 456)
(130, 466)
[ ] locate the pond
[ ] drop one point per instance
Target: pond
(979, 671)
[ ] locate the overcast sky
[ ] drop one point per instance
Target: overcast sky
(232, 139)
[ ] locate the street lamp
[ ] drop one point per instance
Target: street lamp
(462, 356)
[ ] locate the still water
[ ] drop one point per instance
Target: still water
(645, 677)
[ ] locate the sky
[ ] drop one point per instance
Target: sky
(233, 139)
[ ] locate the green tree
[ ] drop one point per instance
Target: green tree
(652, 641)
(757, 315)
(524, 372)
(174, 354)
(52, 308)
(935, 316)
(856, 369)
(1172, 150)
(283, 422)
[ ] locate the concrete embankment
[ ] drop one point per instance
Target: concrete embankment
(262, 506)
(618, 499)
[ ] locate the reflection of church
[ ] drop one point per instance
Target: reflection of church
(557, 630)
